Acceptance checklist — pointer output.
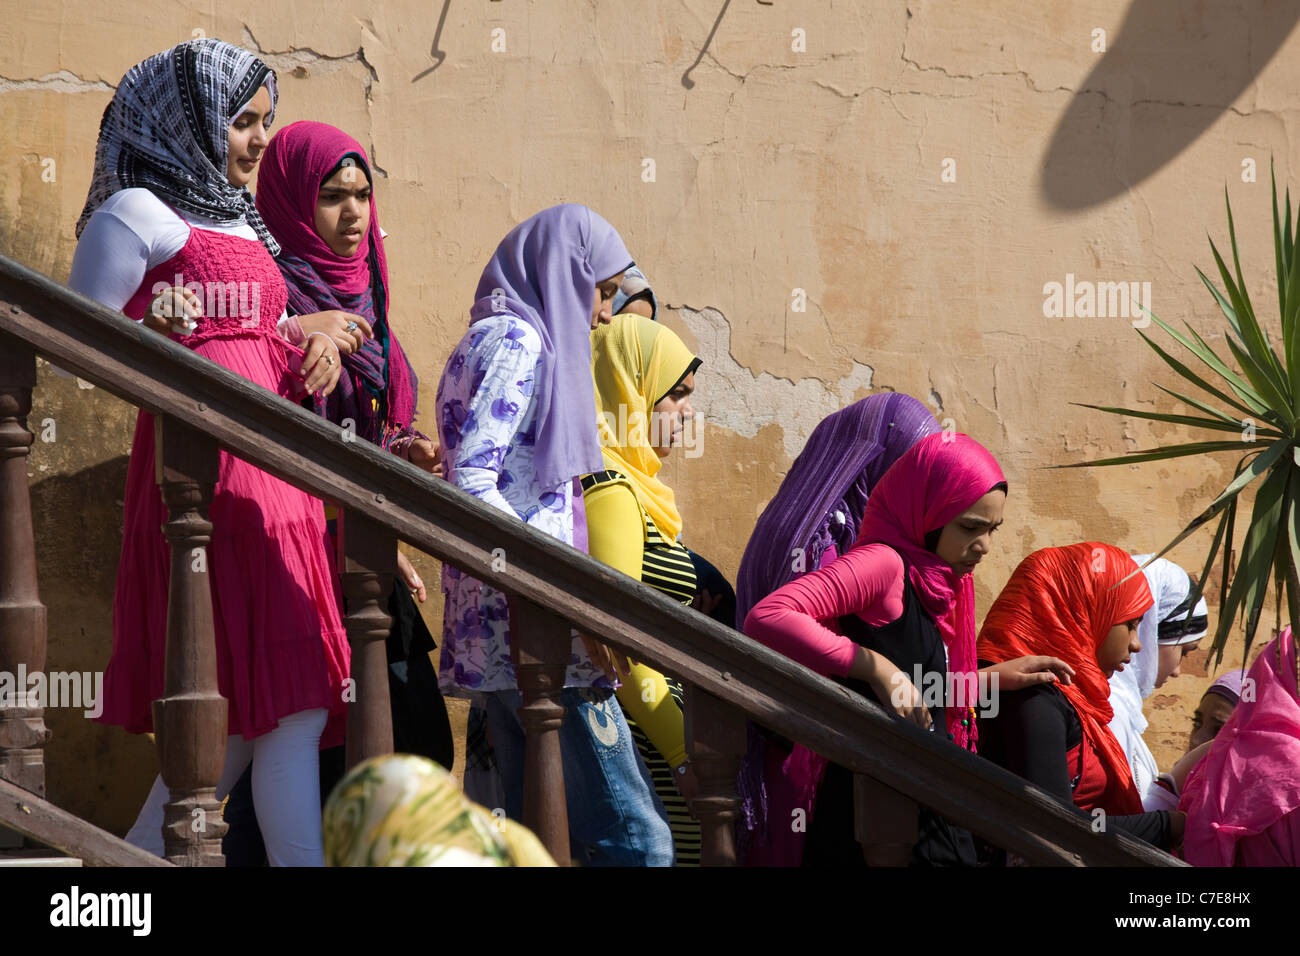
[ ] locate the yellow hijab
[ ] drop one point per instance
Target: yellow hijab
(635, 362)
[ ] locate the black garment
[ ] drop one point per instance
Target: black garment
(420, 726)
(912, 641)
(1031, 736)
(709, 580)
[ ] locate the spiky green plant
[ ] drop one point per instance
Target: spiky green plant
(1260, 406)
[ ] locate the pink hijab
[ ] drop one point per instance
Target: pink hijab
(293, 167)
(1250, 779)
(936, 480)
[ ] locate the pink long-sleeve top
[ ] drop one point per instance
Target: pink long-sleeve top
(867, 581)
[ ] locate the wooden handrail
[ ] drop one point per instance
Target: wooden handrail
(155, 373)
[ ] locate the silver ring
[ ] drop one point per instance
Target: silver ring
(352, 326)
(329, 360)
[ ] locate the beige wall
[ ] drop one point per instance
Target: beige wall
(779, 170)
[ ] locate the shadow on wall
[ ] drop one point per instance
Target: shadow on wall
(100, 773)
(1173, 69)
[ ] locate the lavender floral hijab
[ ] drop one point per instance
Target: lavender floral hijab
(545, 273)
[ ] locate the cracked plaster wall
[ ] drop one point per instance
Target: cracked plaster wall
(777, 171)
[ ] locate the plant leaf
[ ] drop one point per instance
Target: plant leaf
(1164, 454)
(1256, 406)
(1252, 336)
(1169, 418)
(1211, 410)
(1259, 377)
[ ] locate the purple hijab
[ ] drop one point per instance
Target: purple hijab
(822, 499)
(545, 273)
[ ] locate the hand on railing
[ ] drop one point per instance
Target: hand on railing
(427, 454)
(348, 332)
(410, 578)
(174, 311)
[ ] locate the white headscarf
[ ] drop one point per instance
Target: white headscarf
(1170, 588)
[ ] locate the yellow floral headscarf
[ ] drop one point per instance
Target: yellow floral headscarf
(635, 362)
(403, 810)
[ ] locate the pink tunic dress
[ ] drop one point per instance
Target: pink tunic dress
(281, 648)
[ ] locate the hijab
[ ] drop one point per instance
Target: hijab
(1063, 602)
(1250, 779)
(378, 388)
(1170, 588)
(635, 286)
(544, 272)
(635, 362)
(937, 479)
(167, 130)
(404, 810)
(817, 509)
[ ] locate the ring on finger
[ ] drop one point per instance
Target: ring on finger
(352, 326)
(329, 360)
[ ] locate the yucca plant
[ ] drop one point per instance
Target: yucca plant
(1260, 407)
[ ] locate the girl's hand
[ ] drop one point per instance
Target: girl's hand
(615, 664)
(1023, 672)
(409, 578)
(426, 454)
(347, 332)
(321, 364)
(891, 685)
(173, 311)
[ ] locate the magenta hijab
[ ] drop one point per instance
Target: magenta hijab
(935, 481)
(1250, 779)
(295, 163)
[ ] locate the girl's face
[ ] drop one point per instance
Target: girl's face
(965, 540)
(1118, 647)
(1171, 660)
(670, 416)
(250, 131)
(343, 210)
(602, 309)
(1211, 714)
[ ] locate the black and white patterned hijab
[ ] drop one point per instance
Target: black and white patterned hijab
(166, 130)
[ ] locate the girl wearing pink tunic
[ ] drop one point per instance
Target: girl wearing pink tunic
(167, 208)
(1243, 799)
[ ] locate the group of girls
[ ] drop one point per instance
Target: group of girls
(557, 407)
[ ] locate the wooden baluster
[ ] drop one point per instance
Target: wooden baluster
(716, 740)
(884, 822)
(22, 616)
(368, 559)
(190, 719)
(542, 643)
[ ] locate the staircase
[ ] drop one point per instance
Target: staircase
(729, 679)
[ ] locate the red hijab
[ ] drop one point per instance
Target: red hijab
(936, 480)
(1063, 602)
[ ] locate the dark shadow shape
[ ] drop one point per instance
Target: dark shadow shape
(434, 52)
(686, 77)
(1171, 71)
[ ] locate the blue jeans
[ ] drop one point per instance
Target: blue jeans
(615, 816)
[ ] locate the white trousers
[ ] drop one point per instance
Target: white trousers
(286, 791)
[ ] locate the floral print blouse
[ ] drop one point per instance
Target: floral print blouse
(486, 423)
